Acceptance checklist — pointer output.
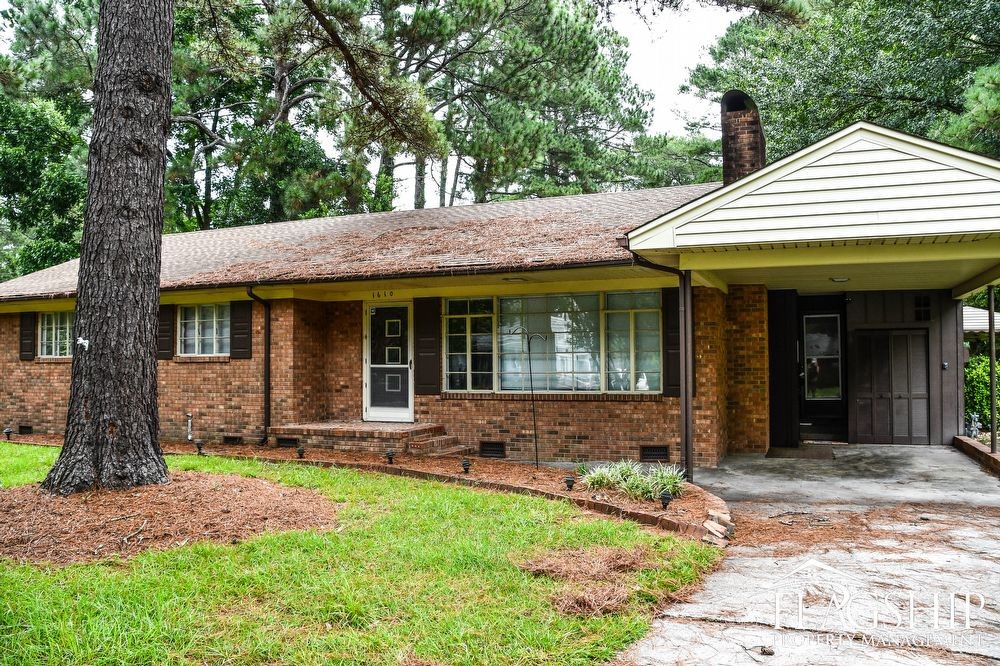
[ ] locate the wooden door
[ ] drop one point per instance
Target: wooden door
(910, 399)
(890, 387)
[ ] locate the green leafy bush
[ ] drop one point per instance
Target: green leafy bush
(977, 389)
(667, 477)
(638, 487)
(624, 471)
(631, 478)
(600, 478)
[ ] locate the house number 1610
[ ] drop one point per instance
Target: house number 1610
(382, 294)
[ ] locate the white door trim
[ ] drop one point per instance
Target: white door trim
(385, 414)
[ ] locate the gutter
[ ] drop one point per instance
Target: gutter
(267, 363)
(685, 313)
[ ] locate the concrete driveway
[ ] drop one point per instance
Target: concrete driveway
(883, 554)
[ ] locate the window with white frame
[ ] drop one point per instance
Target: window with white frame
(564, 334)
(55, 337)
(633, 347)
(469, 326)
(203, 330)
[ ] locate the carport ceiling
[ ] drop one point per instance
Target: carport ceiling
(861, 277)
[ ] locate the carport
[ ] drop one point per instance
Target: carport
(866, 241)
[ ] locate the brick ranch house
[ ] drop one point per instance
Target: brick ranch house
(825, 295)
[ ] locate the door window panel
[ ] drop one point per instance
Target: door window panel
(822, 357)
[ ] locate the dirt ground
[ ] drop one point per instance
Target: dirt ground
(40, 527)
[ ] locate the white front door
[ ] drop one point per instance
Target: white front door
(388, 362)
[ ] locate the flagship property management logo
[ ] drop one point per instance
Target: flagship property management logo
(833, 606)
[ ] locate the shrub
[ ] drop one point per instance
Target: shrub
(667, 477)
(638, 487)
(624, 470)
(977, 389)
(629, 477)
(600, 478)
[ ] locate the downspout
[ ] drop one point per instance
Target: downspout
(267, 363)
(685, 314)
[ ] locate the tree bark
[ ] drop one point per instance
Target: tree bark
(443, 184)
(420, 182)
(112, 428)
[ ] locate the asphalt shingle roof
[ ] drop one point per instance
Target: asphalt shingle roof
(528, 234)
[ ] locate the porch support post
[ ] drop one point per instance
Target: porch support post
(991, 297)
(686, 317)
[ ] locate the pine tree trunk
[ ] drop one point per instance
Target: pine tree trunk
(443, 184)
(112, 428)
(420, 182)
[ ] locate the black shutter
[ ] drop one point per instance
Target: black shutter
(241, 329)
(165, 330)
(29, 326)
(671, 343)
(427, 346)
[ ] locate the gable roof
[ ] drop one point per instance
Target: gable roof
(528, 234)
(862, 183)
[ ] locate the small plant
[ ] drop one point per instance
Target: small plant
(631, 478)
(638, 487)
(599, 478)
(623, 470)
(667, 477)
(581, 469)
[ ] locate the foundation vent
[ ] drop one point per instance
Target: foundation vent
(290, 442)
(492, 449)
(232, 439)
(25, 430)
(654, 454)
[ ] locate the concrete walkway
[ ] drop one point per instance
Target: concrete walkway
(848, 558)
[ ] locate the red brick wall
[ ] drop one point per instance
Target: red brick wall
(317, 376)
(711, 353)
(32, 393)
(748, 369)
(223, 395)
(344, 375)
(743, 147)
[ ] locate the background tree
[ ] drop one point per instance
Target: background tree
(929, 67)
(42, 187)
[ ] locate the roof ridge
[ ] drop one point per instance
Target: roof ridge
(427, 211)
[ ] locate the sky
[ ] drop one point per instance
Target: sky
(663, 49)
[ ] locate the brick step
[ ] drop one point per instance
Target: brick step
(460, 450)
(429, 445)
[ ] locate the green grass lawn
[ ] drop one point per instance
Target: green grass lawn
(417, 570)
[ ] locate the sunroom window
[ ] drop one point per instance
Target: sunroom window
(203, 330)
(55, 337)
(633, 343)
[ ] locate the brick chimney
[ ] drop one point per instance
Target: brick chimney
(742, 137)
